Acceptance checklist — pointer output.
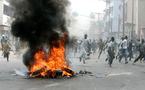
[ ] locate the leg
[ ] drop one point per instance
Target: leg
(100, 54)
(110, 61)
(144, 59)
(137, 58)
(84, 58)
(120, 58)
(80, 58)
(120, 55)
(7, 56)
(141, 58)
(126, 56)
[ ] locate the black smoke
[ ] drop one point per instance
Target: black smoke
(38, 22)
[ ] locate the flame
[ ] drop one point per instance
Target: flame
(47, 64)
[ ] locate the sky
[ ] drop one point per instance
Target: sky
(85, 7)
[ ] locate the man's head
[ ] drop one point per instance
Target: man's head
(112, 39)
(3, 36)
(122, 38)
(126, 37)
(85, 36)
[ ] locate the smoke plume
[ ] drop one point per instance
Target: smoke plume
(38, 22)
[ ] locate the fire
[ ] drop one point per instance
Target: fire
(48, 65)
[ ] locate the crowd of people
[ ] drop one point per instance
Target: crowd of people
(127, 49)
(130, 50)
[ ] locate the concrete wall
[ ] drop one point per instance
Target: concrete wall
(117, 14)
(1, 12)
(141, 16)
(138, 17)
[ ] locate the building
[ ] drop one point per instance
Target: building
(116, 18)
(113, 17)
(135, 21)
(108, 17)
(5, 17)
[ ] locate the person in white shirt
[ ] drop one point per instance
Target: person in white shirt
(84, 49)
(124, 50)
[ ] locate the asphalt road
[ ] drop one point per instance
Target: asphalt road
(120, 77)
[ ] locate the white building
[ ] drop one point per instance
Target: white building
(5, 17)
(135, 21)
(113, 17)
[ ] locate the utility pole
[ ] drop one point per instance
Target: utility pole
(108, 15)
(123, 23)
(132, 27)
(110, 19)
(99, 16)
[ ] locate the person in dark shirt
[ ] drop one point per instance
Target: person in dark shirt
(111, 51)
(141, 51)
(130, 46)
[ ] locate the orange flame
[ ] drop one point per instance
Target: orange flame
(55, 60)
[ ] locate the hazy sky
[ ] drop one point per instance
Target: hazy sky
(84, 8)
(87, 6)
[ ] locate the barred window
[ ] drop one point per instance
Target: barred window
(8, 11)
(8, 0)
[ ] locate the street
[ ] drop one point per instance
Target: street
(119, 77)
(57, 32)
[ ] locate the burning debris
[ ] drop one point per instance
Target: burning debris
(42, 23)
(84, 72)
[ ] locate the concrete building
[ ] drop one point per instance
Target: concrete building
(113, 14)
(116, 18)
(108, 17)
(5, 17)
(135, 21)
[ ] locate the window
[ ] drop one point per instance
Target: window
(8, 11)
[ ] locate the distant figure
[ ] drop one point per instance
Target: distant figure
(130, 50)
(3, 41)
(124, 51)
(94, 46)
(111, 51)
(101, 46)
(120, 49)
(84, 50)
(137, 45)
(6, 51)
(5, 47)
(141, 51)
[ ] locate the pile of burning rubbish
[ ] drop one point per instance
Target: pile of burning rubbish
(42, 23)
